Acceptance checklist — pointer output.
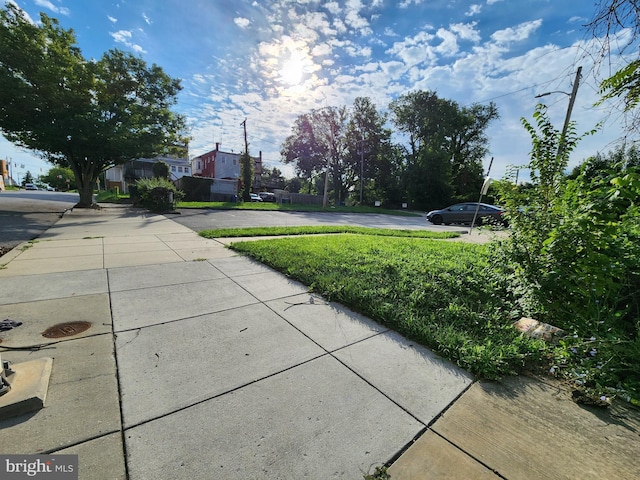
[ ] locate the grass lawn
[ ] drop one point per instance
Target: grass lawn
(323, 229)
(435, 292)
(272, 206)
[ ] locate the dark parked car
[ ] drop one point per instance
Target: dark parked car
(464, 212)
(267, 196)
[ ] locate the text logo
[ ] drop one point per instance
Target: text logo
(49, 467)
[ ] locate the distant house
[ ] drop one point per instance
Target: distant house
(127, 173)
(224, 165)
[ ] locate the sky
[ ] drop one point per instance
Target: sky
(270, 61)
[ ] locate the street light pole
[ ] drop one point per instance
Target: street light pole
(572, 99)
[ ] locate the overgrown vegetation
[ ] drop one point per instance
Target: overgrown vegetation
(573, 260)
(157, 194)
(323, 229)
(434, 292)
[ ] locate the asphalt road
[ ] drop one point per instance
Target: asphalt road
(199, 220)
(24, 215)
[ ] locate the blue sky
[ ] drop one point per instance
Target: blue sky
(270, 61)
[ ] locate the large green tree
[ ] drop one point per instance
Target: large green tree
(446, 145)
(82, 114)
(318, 143)
(370, 158)
(347, 143)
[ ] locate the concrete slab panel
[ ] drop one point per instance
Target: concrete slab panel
(171, 366)
(38, 316)
(130, 278)
(524, 429)
(238, 265)
(270, 285)
(40, 252)
(204, 253)
(129, 239)
(151, 306)
(317, 420)
(433, 458)
(82, 401)
(100, 458)
(140, 258)
(52, 265)
(73, 243)
(192, 243)
(408, 373)
(154, 246)
(29, 288)
(329, 324)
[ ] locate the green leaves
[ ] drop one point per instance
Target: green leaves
(81, 114)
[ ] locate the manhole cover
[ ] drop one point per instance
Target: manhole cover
(67, 329)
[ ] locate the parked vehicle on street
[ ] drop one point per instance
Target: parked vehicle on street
(267, 196)
(30, 186)
(464, 213)
(255, 197)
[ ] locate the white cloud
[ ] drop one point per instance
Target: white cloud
(125, 37)
(242, 22)
(473, 10)
(354, 19)
(518, 33)
(407, 3)
(52, 7)
(146, 19)
(333, 7)
(112, 19)
(465, 31)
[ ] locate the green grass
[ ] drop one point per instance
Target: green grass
(434, 292)
(271, 206)
(322, 229)
(111, 196)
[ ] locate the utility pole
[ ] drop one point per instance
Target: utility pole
(567, 119)
(361, 143)
(246, 145)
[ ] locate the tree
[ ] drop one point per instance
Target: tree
(28, 178)
(446, 146)
(616, 23)
(160, 169)
(272, 178)
(318, 143)
(80, 114)
(246, 176)
(370, 158)
(58, 177)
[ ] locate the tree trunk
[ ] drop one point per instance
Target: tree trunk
(85, 180)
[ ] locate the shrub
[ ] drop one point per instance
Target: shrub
(573, 260)
(157, 194)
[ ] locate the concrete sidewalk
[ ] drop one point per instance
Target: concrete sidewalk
(200, 364)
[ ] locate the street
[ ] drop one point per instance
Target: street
(24, 215)
(199, 220)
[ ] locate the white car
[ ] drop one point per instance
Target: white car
(255, 197)
(30, 186)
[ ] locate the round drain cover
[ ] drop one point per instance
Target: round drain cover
(67, 329)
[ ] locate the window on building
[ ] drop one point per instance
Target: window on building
(173, 168)
(180, 169)
(186, 169)
(234, 161)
